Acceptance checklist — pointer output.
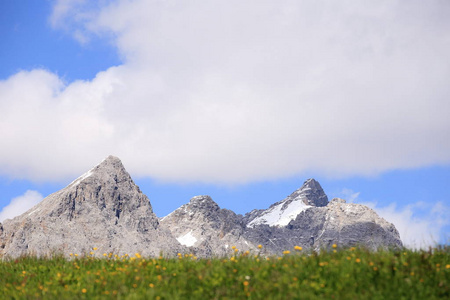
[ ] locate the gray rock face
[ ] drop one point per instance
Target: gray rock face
(206, 228)
(103, 208)
(350, 224)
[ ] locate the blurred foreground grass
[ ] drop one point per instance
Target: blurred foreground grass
(338, 274)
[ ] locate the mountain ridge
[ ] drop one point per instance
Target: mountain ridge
(104, 208)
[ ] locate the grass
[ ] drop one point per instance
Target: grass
(339, 274)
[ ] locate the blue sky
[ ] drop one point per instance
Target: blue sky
(241, 101)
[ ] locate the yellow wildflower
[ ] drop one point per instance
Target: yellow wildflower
(298, 248)
(84, 291)
(259, 246)
(286, 252)
(334, 246)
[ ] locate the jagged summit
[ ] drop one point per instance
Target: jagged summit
(203, 202)
(103, 208)
(110, 165)
(107, 186)
(310, 194)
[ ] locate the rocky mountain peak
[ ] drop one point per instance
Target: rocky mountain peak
(107, 186)
(204, 203)
(202, 206)
(203, 225)
(311, 193)
(109, 170)
(102, 208)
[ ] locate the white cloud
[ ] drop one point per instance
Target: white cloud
(420, 225)
(238, 91)
(20, 204)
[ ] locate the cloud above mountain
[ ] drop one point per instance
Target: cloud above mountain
(20, 204)
(233, 92)
(420, 226)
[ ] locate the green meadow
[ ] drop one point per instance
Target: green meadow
(337, 274)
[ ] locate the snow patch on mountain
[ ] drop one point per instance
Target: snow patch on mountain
(89, 173)
(279, 215)
(187, 239)
(82, 177)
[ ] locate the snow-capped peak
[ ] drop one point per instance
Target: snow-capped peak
(281, 213)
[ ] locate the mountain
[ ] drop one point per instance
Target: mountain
(208, 229)
(340, 223)
(103, 208)
(305, 218)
